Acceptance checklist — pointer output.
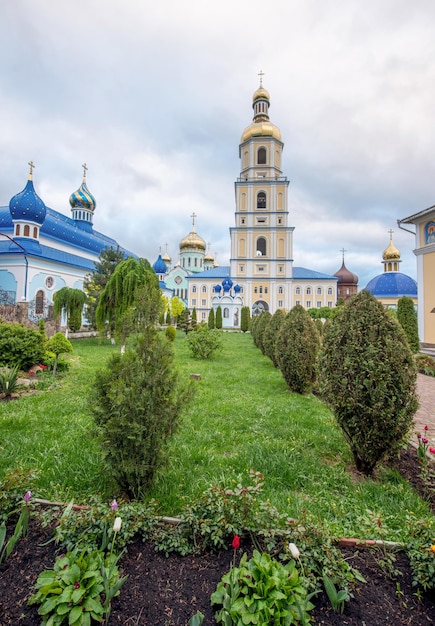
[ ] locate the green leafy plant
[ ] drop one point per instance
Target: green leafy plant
(425, 364)
(421, 551)
(245, 319)
(78, 589)
(170, 333)
(262, 591)
(336, 598)
(19, 531)
(204, 343)
(211, 321)
(197, 619)
(368, 377)
(8, 380)
(58, 344)
(20, 346)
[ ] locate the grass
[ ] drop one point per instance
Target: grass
(242, 417)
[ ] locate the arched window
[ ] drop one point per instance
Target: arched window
(319, 291)
(329, 291)
(17, 230)
(204, 289)
(280, 290)
(26, 230)
(261, 200)
(261, 246)
(194, 289)
(226, 312)
(261, 156)
(298, 291)
(308, 291)
(39, 302)
(35, 232)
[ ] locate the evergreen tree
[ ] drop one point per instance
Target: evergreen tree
(260, 327)
(408, 320)
(218, 318)
(168, 317)
(137, 402)
(96, 280)
(184, 321)
(194, 320)
(245, 318)
(211, 322)
(368, 376)
(297, 348)
(270, 336)
(58, 344)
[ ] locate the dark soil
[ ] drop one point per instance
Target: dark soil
(164, 591)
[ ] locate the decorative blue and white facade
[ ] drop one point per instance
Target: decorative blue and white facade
(42, 250)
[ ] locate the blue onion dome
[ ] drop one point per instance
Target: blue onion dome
(237, 289)
(27, 205)
(160, 266)
(392, 284)
(227, 283)
(217, 288)
(82, 198)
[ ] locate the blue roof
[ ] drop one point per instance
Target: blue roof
(303, 273)
(222, 271)
(392, 285)
(61, 228)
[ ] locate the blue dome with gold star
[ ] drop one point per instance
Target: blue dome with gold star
(27, 205)
(392, 285)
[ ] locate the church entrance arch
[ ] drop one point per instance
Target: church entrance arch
(259, 307)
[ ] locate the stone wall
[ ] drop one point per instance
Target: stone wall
(19, 313)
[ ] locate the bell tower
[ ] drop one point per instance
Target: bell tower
(261, 240)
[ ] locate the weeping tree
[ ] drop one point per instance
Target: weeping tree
(95, 282)
(71, 301)
(131, 300)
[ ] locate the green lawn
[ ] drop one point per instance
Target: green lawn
(242, 417)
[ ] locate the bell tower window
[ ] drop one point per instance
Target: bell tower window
(261, 200)
(26, 230)
(261, 156)
(261, 246)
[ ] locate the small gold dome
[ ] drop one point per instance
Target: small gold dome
(261, 93)
(192, 240)
(391, 253)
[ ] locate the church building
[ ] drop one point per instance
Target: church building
(42, 250)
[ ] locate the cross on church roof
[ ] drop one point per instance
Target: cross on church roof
(84, 171)
(32, 167)
(342, 253)
(261, 74)
(391, 231)
(193, 218)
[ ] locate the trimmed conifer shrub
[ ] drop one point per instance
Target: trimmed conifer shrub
(20, 346)
(137, 403)
(297, 348)
(245, 318)
(408, 319)
(210, 321)
(367, 376)
(270, 335)
(260, 328)
(218, 318)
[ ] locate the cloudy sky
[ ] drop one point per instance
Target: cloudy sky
(154, 97)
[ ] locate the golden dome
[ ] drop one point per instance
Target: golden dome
(261, 129)
(391, 253)
(192, 240)
(261, 93)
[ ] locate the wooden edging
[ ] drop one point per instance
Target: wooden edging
(343, 542)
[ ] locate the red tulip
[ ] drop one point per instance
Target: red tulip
(236, 542)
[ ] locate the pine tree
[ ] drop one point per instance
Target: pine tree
(193, 318)
(96, 280)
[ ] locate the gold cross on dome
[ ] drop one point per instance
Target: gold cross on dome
(85, 169)
(32, 167)
(193, 218)
(261, 74)
(391, 231)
